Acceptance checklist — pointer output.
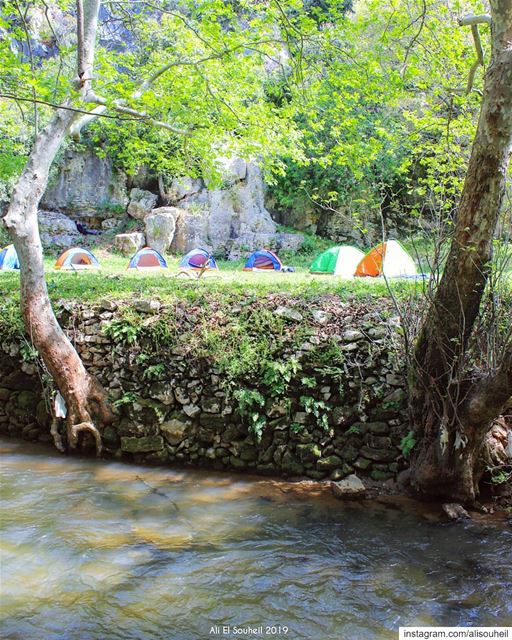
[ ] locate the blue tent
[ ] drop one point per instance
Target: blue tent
(147, 259)
(9, 259)
(198, 259)
(263, 261)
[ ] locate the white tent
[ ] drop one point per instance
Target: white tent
(389, 259)
(348, 259)
(338, 261)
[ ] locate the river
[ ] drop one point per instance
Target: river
(102, 550)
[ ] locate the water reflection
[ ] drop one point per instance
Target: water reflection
(93, 550)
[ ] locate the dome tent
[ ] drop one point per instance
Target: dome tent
(198, 260)
(76, 259)
(389, 259)
(9, 259)
(147, 258)
(263, 260)
(338, 261)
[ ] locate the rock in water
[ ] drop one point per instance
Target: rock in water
(348, 489)
(455, 511)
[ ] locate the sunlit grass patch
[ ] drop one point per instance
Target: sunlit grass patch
(114, 280)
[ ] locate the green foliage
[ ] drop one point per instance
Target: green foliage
(28, 352)
(250, 402)
(122, 330)
(127, 398)
(317, 408)
(500, 474)
(407, 444)
(354, 430)
(11, 324)
(385, 128)
(277, 375)
(154, 371)
(308, 382)
(295, 427)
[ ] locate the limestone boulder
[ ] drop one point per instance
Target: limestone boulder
(231, 217)
(232, 169)
(161, 227)
(185, 187)
(239, 210)
(57, 230)
(141, 203)
(86, 186)
(191, 230)
(110, 223)
(244, 245)
(129, 243)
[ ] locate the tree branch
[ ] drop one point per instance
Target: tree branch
(471, 20)
(474, 21)
(87, 25)
(491, 394)
(64, 107)
(74, 132)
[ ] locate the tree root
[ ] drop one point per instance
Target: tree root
(57, 438)
(75, 429)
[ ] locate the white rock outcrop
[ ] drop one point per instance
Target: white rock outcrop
(160, 228)
(141, 203)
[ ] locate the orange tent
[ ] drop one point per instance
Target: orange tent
(387, 258)
(75, 259)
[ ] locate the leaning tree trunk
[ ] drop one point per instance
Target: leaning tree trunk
(85, 398)
(450, 412)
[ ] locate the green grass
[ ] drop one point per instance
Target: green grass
(113, 280)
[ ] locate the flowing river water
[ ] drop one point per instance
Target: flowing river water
(95, 550)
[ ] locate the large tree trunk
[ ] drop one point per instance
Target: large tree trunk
(85, 399)
(452, 413)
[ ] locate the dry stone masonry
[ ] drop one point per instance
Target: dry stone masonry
(342, 411)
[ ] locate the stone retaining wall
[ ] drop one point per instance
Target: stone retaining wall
(174, 406)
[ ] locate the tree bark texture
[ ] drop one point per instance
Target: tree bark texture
(85, 398)
(451, 412)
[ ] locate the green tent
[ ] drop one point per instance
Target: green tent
(338, 261)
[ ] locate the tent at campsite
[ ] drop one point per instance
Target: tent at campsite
(389, 259)
(338, 261)
(9, 259)
(147, 259)
(263, 260)
(76, 259)
(198, 260)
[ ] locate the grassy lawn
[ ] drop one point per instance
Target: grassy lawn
(115, 281)
(230, 282)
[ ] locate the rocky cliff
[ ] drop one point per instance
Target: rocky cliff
(230, 220)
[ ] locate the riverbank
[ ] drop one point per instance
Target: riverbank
(277, 385)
